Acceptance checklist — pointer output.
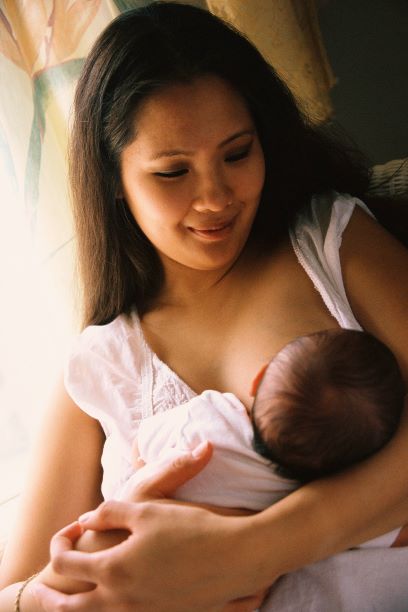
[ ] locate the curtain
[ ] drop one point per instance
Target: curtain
(42, 48)
(287, 34)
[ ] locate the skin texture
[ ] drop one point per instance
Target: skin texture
(224, 311)
(184, 175)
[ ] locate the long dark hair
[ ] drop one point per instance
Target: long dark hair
(140, 52)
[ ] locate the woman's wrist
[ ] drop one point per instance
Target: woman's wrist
(291, 533)
(24, 601)
(8, 596)
(251, 561)
(18, 597)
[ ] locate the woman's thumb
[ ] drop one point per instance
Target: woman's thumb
(170, 474)
(158, 484)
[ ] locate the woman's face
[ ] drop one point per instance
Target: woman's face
(193, 175)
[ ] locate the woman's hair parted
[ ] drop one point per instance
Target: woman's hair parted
(140, 52)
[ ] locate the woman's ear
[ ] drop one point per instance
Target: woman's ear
(257, 380)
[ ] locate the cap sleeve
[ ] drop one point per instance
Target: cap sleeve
(103, 374)
(316, 239)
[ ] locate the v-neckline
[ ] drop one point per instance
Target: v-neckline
(136, 321)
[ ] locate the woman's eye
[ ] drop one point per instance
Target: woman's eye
(237, 156)
(172, 174)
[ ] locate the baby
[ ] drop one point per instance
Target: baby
(323, 403)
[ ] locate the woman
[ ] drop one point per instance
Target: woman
(190, 163)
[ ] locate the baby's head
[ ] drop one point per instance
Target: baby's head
(326, 401)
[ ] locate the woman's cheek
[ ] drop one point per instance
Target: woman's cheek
(251, 182)
(174, 200)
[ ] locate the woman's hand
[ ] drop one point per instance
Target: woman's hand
(173, 560)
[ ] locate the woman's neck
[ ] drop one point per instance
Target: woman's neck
(186, 286)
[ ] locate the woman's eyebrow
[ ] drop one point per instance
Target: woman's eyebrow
(174, 152)
(250, 132)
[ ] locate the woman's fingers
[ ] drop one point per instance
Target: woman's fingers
(247, 604)
(159, 483)
(49, 600)
(64, 559)
(66, 537)
(109, 515)
(69, 562)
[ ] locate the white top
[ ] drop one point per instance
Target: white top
(236, 476)
(115, 377)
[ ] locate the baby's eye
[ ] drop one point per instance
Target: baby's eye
(239, 155)
(172, 173)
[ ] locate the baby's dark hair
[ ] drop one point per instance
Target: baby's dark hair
(327, 401)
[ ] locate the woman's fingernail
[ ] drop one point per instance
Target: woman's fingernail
(200, 450)
(85, 517)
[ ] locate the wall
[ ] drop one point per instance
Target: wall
(367, 45)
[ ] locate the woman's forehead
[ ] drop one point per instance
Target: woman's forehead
(183, 115)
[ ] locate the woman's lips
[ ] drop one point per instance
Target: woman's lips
(216, 232)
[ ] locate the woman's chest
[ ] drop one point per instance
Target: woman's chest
(222, 344)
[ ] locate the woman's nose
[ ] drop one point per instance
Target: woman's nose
(213, 195)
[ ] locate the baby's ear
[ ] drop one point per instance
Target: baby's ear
(257, 380)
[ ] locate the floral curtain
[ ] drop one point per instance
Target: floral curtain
(287, 34)
(42, 48)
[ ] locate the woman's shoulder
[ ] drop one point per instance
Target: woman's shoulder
(112, 364)
(102, 338)
(105, 361)
(326, 213)
(316, 237)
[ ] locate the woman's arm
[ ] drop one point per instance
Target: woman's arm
(188, 546)
(93, 541)
(158, 487)
(375, 273)
(64, 482)
(200, 559)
